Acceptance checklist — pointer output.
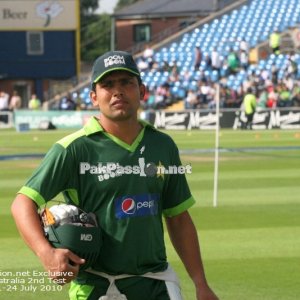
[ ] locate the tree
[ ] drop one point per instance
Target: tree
(95, 30)
(96, 37)
(87, 7)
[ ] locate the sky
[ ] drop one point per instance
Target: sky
(107, 6)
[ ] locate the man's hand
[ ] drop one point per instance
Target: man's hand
(62, 265)
(180, 227)
(205, 293)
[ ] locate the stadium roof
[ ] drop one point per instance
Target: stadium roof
(167, 8)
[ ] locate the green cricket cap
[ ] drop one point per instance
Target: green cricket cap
(113, 61)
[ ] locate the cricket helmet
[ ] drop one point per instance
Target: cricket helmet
(67, 226)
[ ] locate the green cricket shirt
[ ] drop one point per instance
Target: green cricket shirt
(126, 186)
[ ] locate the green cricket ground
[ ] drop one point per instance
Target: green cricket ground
(250, 241)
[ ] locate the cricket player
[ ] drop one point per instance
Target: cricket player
(118, 168)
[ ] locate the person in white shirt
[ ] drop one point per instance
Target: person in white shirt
(215, 60)
(4, 106)
(4, 97)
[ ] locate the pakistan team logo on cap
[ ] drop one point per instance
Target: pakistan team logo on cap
(48, 10)
(114, 60)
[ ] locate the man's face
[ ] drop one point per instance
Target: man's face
(118, 96)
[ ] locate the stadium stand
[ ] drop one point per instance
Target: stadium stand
(252, 23)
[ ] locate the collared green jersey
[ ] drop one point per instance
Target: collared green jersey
(128, 187)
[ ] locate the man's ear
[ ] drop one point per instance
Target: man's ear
(142, 91)
(93, 97)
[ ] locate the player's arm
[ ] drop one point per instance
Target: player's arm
(56, 261)
(183, 235)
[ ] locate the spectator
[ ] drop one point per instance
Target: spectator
(211, 99)
(15, 101)
(239, 97)
(205, 93)
(185, 76)
(149, 99)
(232, 62)
(244, 59)
(223, 95)
(148, 53)
(230, 98)
(67, 103)
(191, 100)
(143, 65)
(202, 76)
(264, 76)
(284, 96)
(4, 101)
(174, 74)
(215, 61)
(4, 106)
(296, 95)
(162, 96)
(274, 42)
(207, 61)
(262, 99)
(249, 106)
(34, 102)
(198, 58)
(274, 73)
(244, 54)
(147, 58)
(272, 97)
(211, 96)
(202, 94)
(155, 66)
(244, 46)
(291, 69)
(166, 67)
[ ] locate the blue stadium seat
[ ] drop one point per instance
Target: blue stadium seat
(253, 22)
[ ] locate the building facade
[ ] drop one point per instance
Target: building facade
(149, 22)
(39, 46)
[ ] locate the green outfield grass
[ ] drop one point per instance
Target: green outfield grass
(250, 241)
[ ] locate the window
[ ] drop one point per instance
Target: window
(35, 43)
(142, 33)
